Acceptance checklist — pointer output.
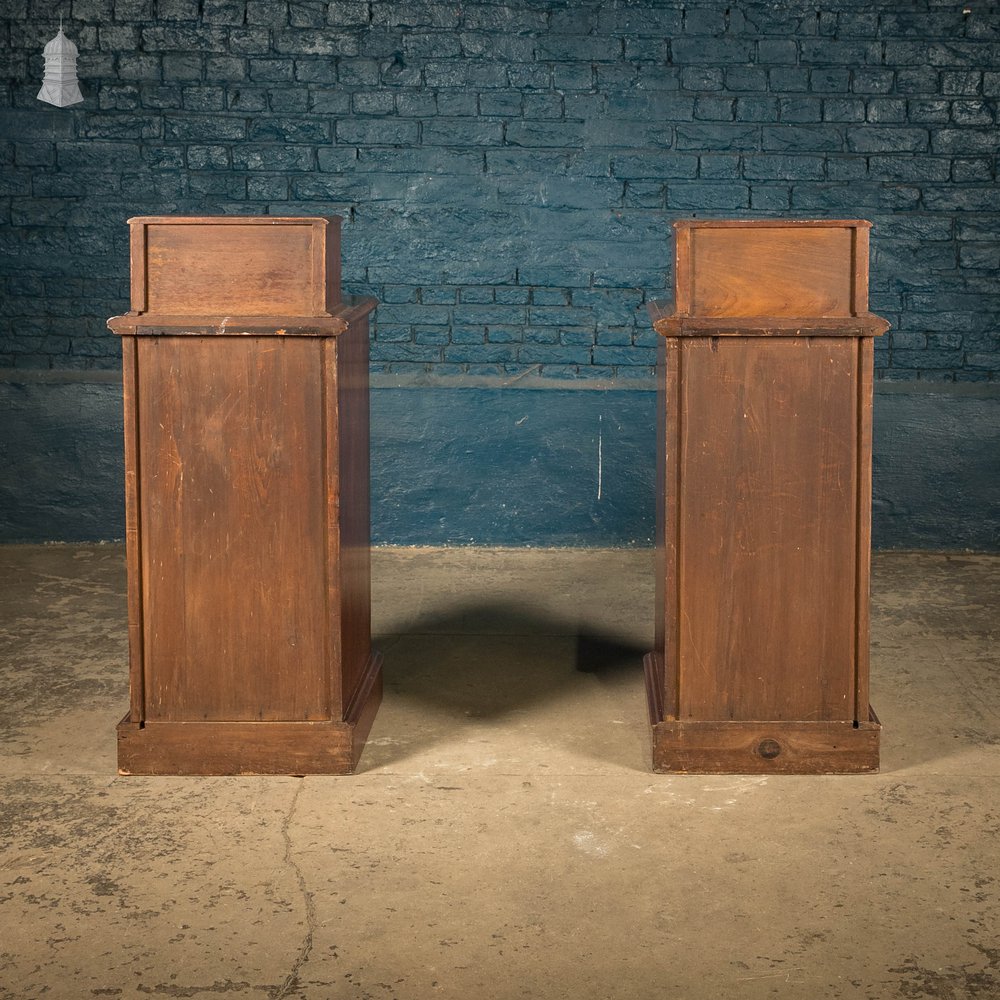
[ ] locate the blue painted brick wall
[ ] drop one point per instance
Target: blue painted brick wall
(507, 171)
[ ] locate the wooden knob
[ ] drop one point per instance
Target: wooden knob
(769, 749)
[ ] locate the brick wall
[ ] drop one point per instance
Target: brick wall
(507, 171)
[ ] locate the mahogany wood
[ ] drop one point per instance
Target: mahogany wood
(235, 265)
(247, 508)
(763, 532)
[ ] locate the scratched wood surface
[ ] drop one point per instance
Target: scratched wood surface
(766, 529)
(247, 267)
(764, 501)
(348, 373)
(247, 492)
(233, 509)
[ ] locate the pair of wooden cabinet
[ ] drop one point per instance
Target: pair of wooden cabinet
(247, 501)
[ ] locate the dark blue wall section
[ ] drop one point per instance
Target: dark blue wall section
(492, 464)
(508, 170)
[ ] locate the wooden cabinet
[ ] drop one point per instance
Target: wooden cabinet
(247, 501)
(763, 515)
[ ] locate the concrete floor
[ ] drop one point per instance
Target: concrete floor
(504, 837)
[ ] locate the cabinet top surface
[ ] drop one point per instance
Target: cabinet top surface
(233, 220)
(771, 223)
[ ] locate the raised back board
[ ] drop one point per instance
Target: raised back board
(742, 269)
(238, 266)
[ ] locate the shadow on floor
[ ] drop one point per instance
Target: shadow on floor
(547, 681)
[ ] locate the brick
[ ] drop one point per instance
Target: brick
(377, 132)
(249, 41)
(273, 158)
(701, 78)
(504, 334)
(887, 111)
(791, 80)
(271, 70)
(542, 134)
(775, 167)
(711, 51)
(496, 314)
(208, 157)
(746, 78)
(262, 187)
(218, 185)
(829, 81)
(719, 137)
(481, 353)
(756, 109)
(714, 109)
(288, 99)
(307, 13)
(962, 199)
(719, 167)
(843, 110)
(555, 354)
(707, 196)
(247, 99)
(800, 109)
(802, 138)
(770, 198)
(230, 12)
(573, 76)
(965, 83)
(963, 141)
(184, 38)
(975, 170)
(349, 13)
(313, 43)
(203, 98)
(204, 128)
(461, 132)
(884, 139)
(318, 71)
(438, 296)
(640, 22)
(289, 130)
(973, 113)
(932, 112)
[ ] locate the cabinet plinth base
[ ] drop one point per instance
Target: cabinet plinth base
(737, 747)
(231, 748)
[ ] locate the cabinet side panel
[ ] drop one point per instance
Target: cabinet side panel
(671, 463)
(232, 524)
(355, 515)
(865, 350)
(767, 527)
(133, 536)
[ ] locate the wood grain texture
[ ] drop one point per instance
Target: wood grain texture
(735, 268)
(712, 747)
(232, 513)
(350, 373)
(766, 523)
(133, 538)
(205, 748)
(247, 482)
(252, 265)
(764, 501)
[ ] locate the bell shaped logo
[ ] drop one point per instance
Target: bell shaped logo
(60, 85)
